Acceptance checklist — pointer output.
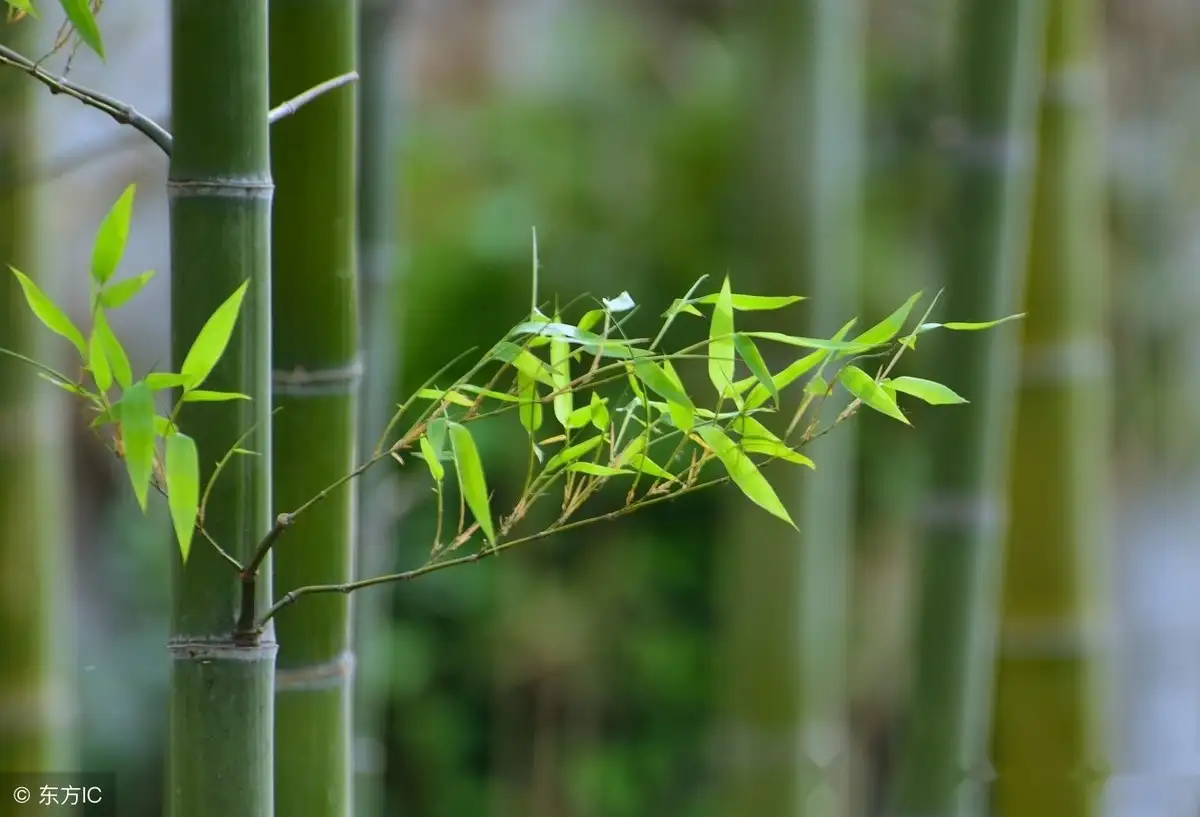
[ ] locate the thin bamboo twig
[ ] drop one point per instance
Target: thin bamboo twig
(286, 109)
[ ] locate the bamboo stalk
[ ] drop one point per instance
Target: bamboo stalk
(220, 190)
(378, 225)
(943, 768)
(36, 709)
(786, 596)
(317, 371)
(1050, 744)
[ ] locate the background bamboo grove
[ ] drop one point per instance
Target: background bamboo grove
(985, 613)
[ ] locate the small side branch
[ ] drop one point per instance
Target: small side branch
(120, 111)
(294, 104)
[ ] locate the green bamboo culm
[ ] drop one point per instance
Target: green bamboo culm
(786, 595)
(37, 706)
(943, 768)
(219, 186)
(1050, 744)
(379, 265)
(315, 388)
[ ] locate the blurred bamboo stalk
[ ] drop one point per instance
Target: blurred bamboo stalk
(379, 308)
(37, 704)
(786, 605)
(943, 767)
(1050, 743)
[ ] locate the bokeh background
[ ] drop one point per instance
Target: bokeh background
(600, 673)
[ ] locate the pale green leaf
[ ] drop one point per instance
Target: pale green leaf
(436, 470)
(720, 346)
(495, 395)
(470, 477)
(574, 452)
(889, 327)
(449, 396)
(743, 472)
(599, 411)
(79, 12)
(524, 361)
(113, 351)
(183, 488)
(97, 364)
(811, 343)
(164, 380)
(137, 433)
(592, 469)
(119, 293)
(210, 344)
(967, 326)
(661, 383)
(936, 394)
(758, 367)
(590, 341)
(436, 432)
(560, 373)
(751, 303)
(50, 315)
(759, 394)
(111, 238)
(758, 439)
(578, 418)
(202, 396)
(864, 387)
(530, 409)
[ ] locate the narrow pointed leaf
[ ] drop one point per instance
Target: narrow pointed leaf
(574, 452)
(436, 432)
(599, 411)
(183, 488)
(720, 347)
(436, 470)
(560, 373)
(758, 367)
(524, 361)
(470, 477)
(758, 439)
(752, 303)
(811, 343)
(137, 432)
(967, 326)
(202, 396)
(111, 238)
(493, 394)
(213, 338)
(158, 381)
(79, 12)
(530, 409)
(50, 315)
(592, 469)
(743, 472)
(119, 293)
(932, 392)
(889, 327)
(864, 387)
(659, 382)
(448, 395)
(113, 351)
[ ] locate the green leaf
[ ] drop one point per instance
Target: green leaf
(523, 361)
(758, 439)
(111, 238)
(113, 351)
(79, 12)
(659, 382)
(137, 433)
(590, 319)
(596, 344)
(743, 472)
(595, 470)
(864, 387)
(530, 409)
(97, 364)
(641, 462)
(163, 426)
(811, 343)
(65, 386)
(449, 395)
(574, 452)
(930, 391)
(183, 488)
(962, 326)
(431, 459)
(436, 432)
(158, 381)
(470, 477)
(495, 395)
(758, 367)
(599, 412)
(119, 293)
(23, 5)
(889, 327)
(720, 347)
(202, 396)
(752, 303)
(759, 394)
(50, 315)
(578, 418)
(213, 338)
(678, 306)
(560, 373)
(817, 386)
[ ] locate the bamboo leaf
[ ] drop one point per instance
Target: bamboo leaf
(202, 396)
(523, 361)
(574, 452)
(79, 12)
(436, 432)
(50, 315)
(113, 351)
(752, 303)
(560, 373)
(119, 293)
(213, 338)
(449, 395)
(183, 488)
(530, 409)
(158, 381)
(720, 346)
(470, 477)
(111, 238)
(592, 469)
(889, 327)
(643, 463)
(758, 367)
(495, 395)
(966, 326)
(436, 470)
(97, 364)
(137, 433)
(23, 7)
(66, 386)
(864, 387)
(932, 392)
(758, 439)
(659, 382)
(599, 412)
(596, 344)
(811, 343)
(743, 472)
(578, 418)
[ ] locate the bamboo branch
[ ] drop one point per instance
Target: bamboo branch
(121, 112)
(286, 109)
